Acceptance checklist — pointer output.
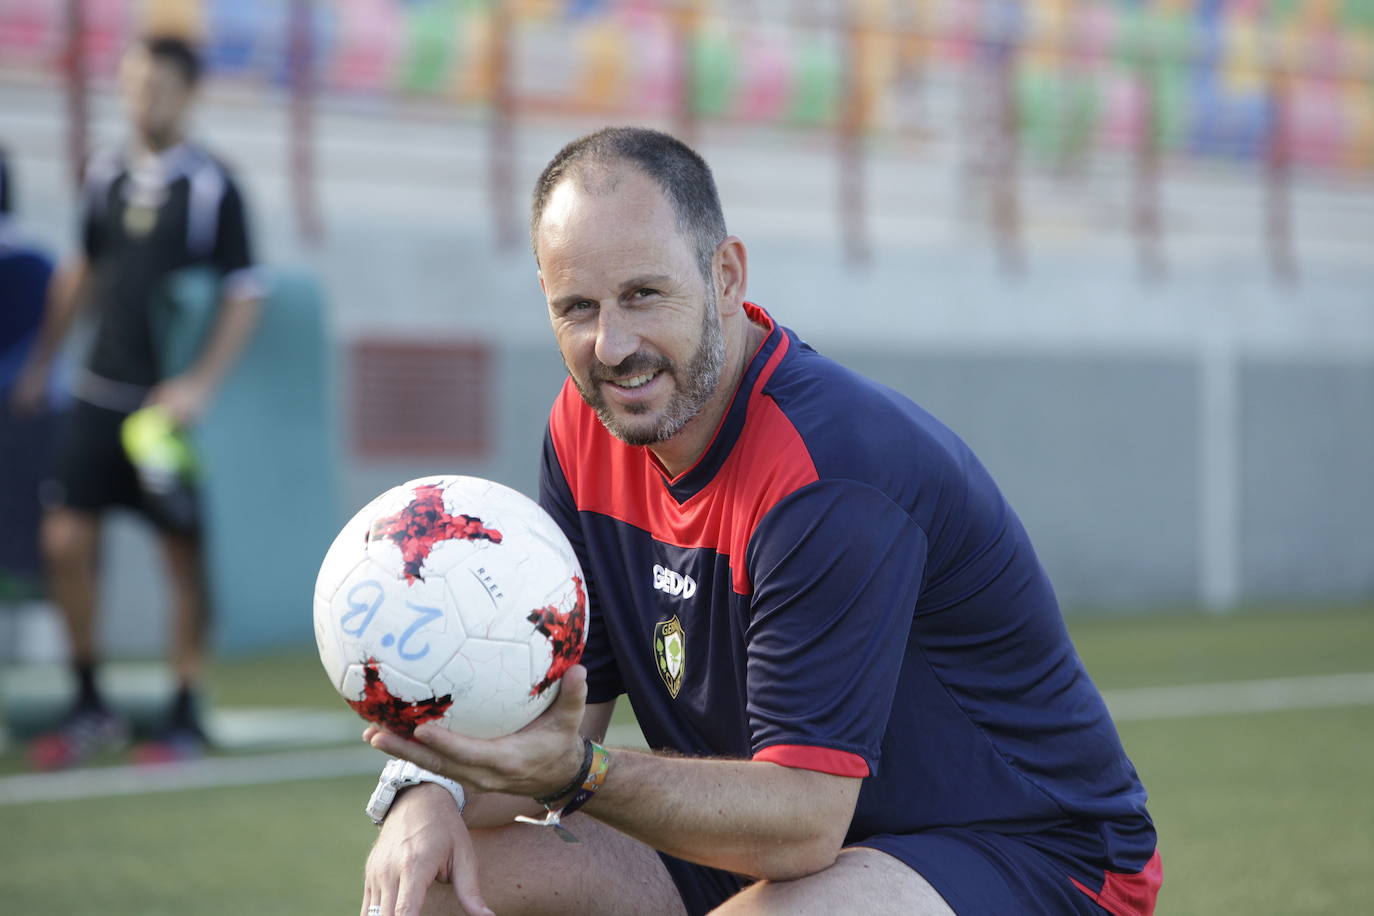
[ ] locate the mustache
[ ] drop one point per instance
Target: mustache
(634, 364)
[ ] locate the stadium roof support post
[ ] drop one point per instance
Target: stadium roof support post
(685, 15)
(1006, 199)
(1278, 216)
(74, 65)
(1001, 41)
(1145, 215)
(850, 134)
(300, 46)
(501, 130)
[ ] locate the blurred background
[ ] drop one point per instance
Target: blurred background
(1125, 248)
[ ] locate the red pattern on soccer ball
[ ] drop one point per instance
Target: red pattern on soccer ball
(566, 633)
(422, 524)
(396, 715)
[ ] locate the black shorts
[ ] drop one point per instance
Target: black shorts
(980, 873)
(92, 473)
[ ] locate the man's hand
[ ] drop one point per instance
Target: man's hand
(184, 397)
(541, 758)
(422, 840)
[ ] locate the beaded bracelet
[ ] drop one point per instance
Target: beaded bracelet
(593, 774)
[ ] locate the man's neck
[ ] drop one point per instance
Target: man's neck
(686, 448)
(152, 147)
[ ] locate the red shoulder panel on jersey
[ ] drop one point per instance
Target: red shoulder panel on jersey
(624, 482)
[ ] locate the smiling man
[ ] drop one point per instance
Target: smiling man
(849, 664)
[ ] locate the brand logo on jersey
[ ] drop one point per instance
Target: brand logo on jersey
(670, 651)
(675, 584)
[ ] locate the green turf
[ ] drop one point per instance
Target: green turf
(1191, 649)
(291, 848)
(1265, 814)
(279, 679)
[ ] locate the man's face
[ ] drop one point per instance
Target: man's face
(156, 97)
(635, 320)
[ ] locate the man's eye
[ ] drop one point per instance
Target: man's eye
(645, 292)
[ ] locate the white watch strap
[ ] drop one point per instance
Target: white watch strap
(400, 774)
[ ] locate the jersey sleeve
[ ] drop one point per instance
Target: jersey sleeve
(233, 253)
(232, 250)
(603, 676)
(92, 210)
(837, 567)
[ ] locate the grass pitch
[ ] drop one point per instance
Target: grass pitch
(1258, 813)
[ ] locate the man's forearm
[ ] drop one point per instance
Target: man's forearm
(238, 316)
(493, 809)
(753, 818)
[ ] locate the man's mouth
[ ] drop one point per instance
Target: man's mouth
(635, 381)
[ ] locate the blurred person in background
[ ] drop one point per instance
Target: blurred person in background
(154, 206)
(25, 273)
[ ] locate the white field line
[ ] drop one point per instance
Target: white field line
(212, 773)
(1136, 704)
(206, 773)
(1228, 697)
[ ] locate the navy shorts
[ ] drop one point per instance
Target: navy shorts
(980, 873)
(92, 473)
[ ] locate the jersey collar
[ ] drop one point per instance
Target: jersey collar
(694, 479)
(164, 167)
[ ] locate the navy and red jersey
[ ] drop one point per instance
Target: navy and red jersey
(838, 584)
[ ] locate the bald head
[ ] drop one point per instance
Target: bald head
(598, 163)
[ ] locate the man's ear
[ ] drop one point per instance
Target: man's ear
(730, 270)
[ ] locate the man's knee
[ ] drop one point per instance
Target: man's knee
(528, 870)
(862, 880)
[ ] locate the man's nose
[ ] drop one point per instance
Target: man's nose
(616, 337)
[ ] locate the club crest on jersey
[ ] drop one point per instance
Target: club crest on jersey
(670, 650)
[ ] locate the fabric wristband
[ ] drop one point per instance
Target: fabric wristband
(596, 764)
(596, 776)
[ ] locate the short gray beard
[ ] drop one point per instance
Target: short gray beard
(695, 386)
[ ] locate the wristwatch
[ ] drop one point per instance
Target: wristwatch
(401, 774)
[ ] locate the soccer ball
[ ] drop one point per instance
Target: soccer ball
(450, 599)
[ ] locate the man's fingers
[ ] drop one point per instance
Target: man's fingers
(415, 752)
(470, 898)
(572, 694)
(464, 878)
(410, 896)
(387, 898)
(495, 764)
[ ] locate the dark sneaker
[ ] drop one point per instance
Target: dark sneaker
(84, 733)
(185, 741)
